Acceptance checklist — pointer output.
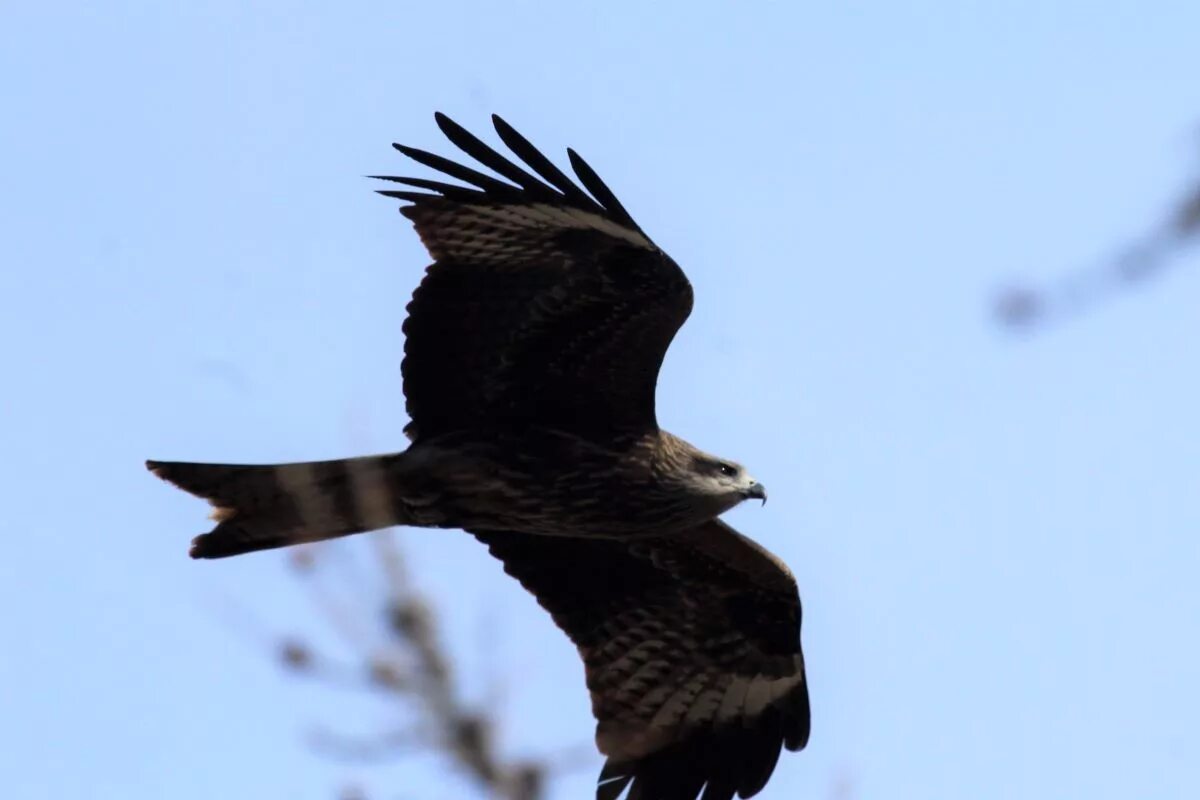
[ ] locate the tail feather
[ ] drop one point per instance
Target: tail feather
(258, 507)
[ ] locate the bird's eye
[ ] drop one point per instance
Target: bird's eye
(728, 470)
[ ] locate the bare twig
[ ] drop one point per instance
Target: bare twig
(403, 657)
(1023, 307)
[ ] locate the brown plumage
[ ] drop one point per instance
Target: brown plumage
(533, 348)
(690, 645)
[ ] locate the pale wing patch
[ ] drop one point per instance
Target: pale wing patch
(644, 680)
(704, 709)
(677, 705)
(576, 218)
(512, 231)
(629, 739)
(734, 700)
(222, 513)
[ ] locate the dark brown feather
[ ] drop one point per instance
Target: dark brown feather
(669, 630)
(261, 507)
(543, 166)
(471, 145)
(543, 308)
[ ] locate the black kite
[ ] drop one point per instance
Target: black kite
(532, 353)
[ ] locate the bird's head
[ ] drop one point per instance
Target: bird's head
(722, 481)
(707, 485)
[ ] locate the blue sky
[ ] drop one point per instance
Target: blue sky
(994, 536)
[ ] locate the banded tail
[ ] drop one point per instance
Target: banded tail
(259, 507)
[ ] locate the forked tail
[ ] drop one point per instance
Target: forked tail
(258, 507)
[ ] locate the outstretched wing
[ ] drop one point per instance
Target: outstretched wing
(544, 306)
(691, 646)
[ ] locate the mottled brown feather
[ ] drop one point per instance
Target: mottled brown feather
(542, 308)
(691, 645)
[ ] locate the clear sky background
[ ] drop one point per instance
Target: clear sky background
(995, 536)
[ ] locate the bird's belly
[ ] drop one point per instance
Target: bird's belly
(489, 489)
(605, 509)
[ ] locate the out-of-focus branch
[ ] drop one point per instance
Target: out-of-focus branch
(410, 664)
(1025, 307)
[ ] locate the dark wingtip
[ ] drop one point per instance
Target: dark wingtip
(411, 197)
(798, 727)
(599, 189)
(612, 782)
(447, 125)
(415, 153)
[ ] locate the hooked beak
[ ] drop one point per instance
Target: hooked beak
(756, 491)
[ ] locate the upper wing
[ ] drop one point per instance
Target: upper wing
(691, 646)
(544, 305)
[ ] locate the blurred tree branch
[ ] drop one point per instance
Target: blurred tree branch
(414, 668)
(1023, 307)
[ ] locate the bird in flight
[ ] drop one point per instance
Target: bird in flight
(532, 351)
